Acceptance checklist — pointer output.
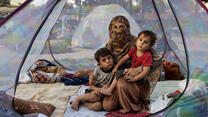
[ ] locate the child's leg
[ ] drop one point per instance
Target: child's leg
(89, 97)
(96, 106)
(109, 90)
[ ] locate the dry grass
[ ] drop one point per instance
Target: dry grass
(7, 9)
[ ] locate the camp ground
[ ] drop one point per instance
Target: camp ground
(66, 34)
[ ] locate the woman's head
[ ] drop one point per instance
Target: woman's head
(119, 27)
(145, 40)
(121, 40)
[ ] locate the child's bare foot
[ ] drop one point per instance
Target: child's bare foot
(123, 111)
(143, 110)
(106, 92)
(75, 104)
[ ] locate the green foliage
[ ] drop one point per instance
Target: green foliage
(4, 2)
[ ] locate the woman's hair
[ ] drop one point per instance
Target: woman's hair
(102, 52)
(152, 35)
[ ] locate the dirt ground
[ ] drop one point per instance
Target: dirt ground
(4, 11)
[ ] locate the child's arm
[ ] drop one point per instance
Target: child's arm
(91, 83)
(92, 87)
(121, 62)
(145, 71)
(109, 90)
(96, 89)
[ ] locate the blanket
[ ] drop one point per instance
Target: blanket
(161, 90)
(56, 94)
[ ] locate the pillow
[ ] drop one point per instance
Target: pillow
(42, 77)
(28, 107)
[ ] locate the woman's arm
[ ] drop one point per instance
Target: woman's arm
(145, 71)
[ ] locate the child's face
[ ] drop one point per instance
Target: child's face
(106, 62)
(143, 43)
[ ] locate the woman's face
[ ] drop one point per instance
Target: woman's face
(118, 29)
(143, 42)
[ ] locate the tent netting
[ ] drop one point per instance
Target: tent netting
(75, 29)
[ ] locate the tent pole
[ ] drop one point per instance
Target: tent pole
(29, 47)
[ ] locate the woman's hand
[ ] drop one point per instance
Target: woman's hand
(132, 71)
(130, 78)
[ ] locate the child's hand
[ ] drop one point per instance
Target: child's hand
(114, 70)
(91, 78)
(98, 91)
(130, 78)
(105, 86)
(105, 91)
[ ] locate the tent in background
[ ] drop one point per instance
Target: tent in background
(75, 29)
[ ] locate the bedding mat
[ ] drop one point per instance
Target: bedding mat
(164, 87)
(56, 94)
(161, 89)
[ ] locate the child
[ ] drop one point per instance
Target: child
(101, 78)
(140, 55)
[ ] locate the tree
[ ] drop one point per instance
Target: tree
(4, 2)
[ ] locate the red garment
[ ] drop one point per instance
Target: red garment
(145, 59)
(118, 114)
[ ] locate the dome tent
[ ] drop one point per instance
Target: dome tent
(100, 15)
(23, 37)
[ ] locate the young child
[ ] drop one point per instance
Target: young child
(98, 80)
(140, 55)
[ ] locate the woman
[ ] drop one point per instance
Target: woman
(121, 41)
(126, 94)
(130, 96)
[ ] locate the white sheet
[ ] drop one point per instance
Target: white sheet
(83, 111)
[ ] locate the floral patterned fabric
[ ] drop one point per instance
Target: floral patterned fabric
(42, 77)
